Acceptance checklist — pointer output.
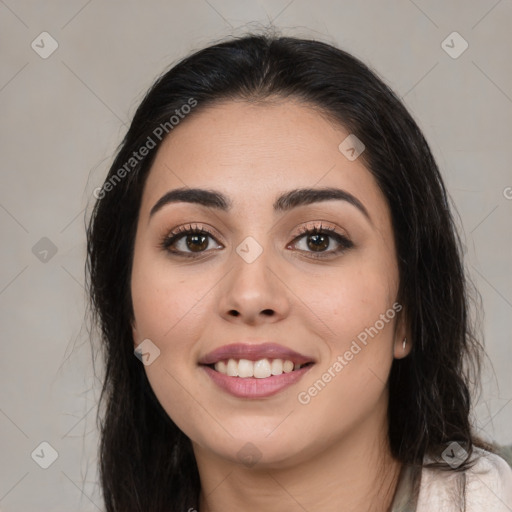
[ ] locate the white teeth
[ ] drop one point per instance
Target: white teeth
(277, 367)
(232, 368)
(245, 368)
(260, 369)
(288, 366)
(221, 367)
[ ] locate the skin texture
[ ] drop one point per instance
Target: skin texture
(311, 456)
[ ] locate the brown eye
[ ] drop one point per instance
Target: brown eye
(317, 241)
(187, 241)
(196, 243)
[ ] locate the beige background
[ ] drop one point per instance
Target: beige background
(62, 117)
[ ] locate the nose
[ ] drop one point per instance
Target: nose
(253, 292)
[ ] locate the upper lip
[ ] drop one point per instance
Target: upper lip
(254, 352)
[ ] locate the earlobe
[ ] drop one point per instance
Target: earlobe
(402, 347)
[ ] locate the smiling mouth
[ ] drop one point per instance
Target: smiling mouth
(260, 369)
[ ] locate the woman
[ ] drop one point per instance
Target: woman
(275, 245)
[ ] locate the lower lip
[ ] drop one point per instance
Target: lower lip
(251, 387)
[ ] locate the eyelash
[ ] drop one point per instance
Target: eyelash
(179, 233)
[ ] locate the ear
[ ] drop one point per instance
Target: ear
(402, 347)
(403, 344)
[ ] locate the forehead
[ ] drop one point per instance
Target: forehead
(254, 152)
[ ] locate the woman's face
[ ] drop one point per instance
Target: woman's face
(251, 289)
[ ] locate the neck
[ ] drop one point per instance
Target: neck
(354, 474)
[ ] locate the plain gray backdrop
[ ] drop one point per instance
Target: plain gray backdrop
(71, 76)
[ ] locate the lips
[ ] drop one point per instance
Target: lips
(253, 352)
(257, 371)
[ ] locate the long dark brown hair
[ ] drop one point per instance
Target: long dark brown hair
(146, 462)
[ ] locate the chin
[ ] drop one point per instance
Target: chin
(256, 451)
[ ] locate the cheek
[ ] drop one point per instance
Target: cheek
(165, 298)
(360, 316)
(351, 299)
(357, 307)
(167, 307)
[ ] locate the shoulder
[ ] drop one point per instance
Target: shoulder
(487, 485)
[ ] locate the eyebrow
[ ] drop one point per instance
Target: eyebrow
(285, 202)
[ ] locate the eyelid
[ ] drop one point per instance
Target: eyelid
(318, 227)
(176, 234)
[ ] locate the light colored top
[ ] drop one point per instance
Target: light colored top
(486, 487)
